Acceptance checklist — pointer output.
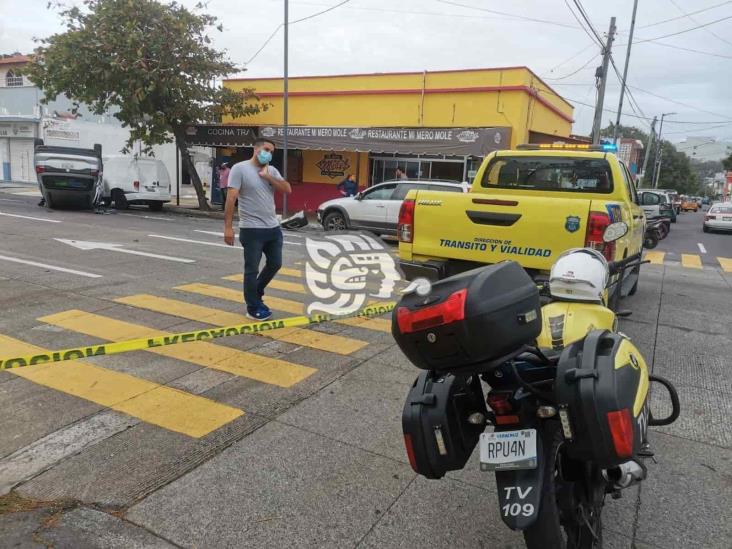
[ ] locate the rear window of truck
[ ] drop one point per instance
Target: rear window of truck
(550, 173)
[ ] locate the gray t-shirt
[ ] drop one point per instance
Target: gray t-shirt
(256, 196)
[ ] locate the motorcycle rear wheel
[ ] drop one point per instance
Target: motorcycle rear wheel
(570, 516)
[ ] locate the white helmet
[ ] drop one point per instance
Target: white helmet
(579, 274)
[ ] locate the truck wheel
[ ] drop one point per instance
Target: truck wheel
(156, 206)
(335, 221)
(120, 200)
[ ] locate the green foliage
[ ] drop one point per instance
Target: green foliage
(676, 170)
(727, 163)
(149, 63)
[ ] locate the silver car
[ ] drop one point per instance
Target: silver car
(718, 218)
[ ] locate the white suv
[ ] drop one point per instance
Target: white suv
(377, 208)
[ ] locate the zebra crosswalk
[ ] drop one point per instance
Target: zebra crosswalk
(174, 409)
(689, 261)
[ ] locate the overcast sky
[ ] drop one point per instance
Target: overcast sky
(405, 35)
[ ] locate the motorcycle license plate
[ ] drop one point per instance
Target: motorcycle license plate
(508, 450)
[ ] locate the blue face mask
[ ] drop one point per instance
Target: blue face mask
(264, 157)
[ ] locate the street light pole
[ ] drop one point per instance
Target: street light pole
(647, 154)
(285, 100)
(659, 151)
(625, 73)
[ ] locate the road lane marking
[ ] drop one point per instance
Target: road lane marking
(726, 264)
(702, 249)
(207, 243)
(150, 402)
(45, 220)
(214, 233)
(283, 285)
(202, 353)
(280, 304)
(297, 336)
(86, 246)
(156, 218)
(28, 193)
(656, 258)
(691, 261)
(51, 267)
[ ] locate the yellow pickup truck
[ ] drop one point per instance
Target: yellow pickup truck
(528, 205)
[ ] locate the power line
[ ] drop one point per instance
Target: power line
(584, 15)
(700, 129)
(274, 32)
(576, 55)
(594, 39)
(682, 16)
(523, 17)
(687, 105)
(595, 56)
(682, 31)
(675, 47)
(709, 31)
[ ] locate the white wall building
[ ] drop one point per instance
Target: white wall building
(23, 118)
(704, 148)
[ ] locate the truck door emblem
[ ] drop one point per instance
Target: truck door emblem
(572, 224)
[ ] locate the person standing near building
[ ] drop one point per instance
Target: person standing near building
(253, 182)
(349, 186)
(400, 174)
(224, 172)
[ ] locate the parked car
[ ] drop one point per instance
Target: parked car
(670, 199)
(675, 198)
(718, 218)
(68, 174)
(689, 204)
(377, 208)
(128, 180)
(656, 204)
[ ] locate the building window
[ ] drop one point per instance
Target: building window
(11, 79)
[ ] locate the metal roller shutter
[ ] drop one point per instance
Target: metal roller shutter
(21, 160)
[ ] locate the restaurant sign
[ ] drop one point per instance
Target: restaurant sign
(447, 141)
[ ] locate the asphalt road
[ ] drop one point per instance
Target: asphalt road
(292, 439)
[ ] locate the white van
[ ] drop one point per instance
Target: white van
(135, 181)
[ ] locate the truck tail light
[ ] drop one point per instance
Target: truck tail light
(596, 225)
(136, 185)
(405, 227)
(95, 173)
(621, 429)
(450, 310)
(708, 217)
(40, 169)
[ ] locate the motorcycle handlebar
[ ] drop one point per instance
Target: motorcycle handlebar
(617, 266)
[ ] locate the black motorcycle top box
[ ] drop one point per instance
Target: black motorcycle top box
(470, 319)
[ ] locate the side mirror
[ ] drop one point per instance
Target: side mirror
(358, 196)
(615, 231)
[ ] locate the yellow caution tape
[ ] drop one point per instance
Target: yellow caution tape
(143, 343)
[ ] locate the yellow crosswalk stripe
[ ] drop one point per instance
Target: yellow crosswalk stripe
(280, 304)
(283, 285)
(290, 272)
(656, 258)
(202, 353)
(150, 402)
(692, 261)
(726, 264)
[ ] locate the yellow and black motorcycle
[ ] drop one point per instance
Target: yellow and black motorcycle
(567, 394)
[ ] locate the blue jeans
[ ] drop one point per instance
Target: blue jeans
(255, 243)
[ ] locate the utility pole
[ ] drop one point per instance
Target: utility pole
(647, 154)
(659, 151)
(596, 126)
(285, 101)
(625, 73)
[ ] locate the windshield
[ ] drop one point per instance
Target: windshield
(550, 173)
(721, 209)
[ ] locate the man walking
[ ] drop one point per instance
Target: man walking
(254, 183)
(224, 172)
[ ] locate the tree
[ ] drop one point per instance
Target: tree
(150, 63)
(676, 171)
(727, 163)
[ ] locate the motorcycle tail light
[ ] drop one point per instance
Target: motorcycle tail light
(621, 429)
(410, 451)
(500, 403)
(450, 310)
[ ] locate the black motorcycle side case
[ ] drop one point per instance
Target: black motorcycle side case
(598, 375)
(502, 312)
(437, 434)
